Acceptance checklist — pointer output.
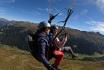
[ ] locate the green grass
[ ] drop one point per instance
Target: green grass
(15, 59)
(1, 33)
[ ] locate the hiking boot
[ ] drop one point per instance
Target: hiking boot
(51, 68)
(56, 67)
(74, 56)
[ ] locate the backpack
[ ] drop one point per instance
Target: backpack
(32, 41)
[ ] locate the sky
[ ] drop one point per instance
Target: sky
(87, 15)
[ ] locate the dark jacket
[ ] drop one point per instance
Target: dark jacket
(51, 37)
(42, 49)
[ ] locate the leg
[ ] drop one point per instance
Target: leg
(50, 55)
(69, 50)
(59, 56)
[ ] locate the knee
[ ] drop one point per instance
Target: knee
(61, 54)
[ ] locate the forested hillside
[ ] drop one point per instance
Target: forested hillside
(15, 33)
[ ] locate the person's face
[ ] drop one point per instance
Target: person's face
(47, 30)
(55, 31)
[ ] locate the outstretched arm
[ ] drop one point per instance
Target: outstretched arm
(58, 43)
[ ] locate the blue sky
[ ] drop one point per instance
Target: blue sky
(88, 14)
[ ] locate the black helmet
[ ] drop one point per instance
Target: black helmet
(54, 27)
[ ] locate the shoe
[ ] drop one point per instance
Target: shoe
(56, 67)
(51, 68)
(74, 56)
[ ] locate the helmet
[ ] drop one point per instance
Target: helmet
(43, 24)
(54, 27)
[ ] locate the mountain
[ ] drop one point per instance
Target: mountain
(16, 34)
(3, 22)
(86, 42)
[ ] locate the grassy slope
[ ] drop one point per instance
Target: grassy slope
(13, 59)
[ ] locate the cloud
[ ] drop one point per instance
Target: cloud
(96, 26)
(33, 13)
(7, 1)
(82, 13)
(2, 11)
(99, 4)
(45, 9)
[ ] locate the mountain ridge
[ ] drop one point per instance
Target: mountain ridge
(87, 42)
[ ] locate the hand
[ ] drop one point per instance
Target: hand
(66, 34)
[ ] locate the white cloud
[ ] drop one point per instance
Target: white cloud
(99, 27)
(2, 11)
(45, 9)
(48, 10)
(7, 1)
(99, 4)
(82, 13)
(32, 13)
(96, 26)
